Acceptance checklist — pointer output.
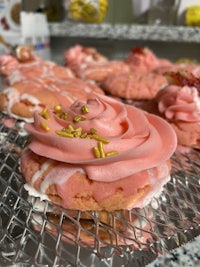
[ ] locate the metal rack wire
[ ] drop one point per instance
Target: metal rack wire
(38, 233)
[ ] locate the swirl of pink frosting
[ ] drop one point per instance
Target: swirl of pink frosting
(142, 140)
(179, 103)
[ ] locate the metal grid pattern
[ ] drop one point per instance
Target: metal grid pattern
(35, 233)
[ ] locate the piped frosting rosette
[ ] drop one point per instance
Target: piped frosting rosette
(119, 148)
(179, 103)
(118, 139)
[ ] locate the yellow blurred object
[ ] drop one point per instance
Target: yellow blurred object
(192, 16)
(186, 61)
(54, 10)
(92, 11)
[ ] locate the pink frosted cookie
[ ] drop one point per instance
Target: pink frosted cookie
(99, 71)
(134, 85)
(22, 99)
(22, 57)
(25, 65)
(144, 60)
(106, 155)
(179, 104)
(44, 69)
(89, 64)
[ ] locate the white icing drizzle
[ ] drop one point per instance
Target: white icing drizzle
(69, 73)
(12, 94)
(87, 89)
(86, 72)
(14, 97)
(70, 98)
(33, 192)
(31, 99)
(40, 172)
(58, 175)
(53, 88)
(15, 76)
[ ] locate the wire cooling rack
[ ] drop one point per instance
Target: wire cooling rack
(37, 233)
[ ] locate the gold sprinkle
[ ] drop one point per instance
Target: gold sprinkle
(96, 152)
(66, 130)
(57, 108)
(101, 149)
(77, 132)
(93, 131)
(64, 134)
(44, 113)
(62, 115)
(111, 153)
(78, 118)
(85, 109)
(45, 126)
(84, 135)
(100, 138)
(70, 127)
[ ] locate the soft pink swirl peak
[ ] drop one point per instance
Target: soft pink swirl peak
(179, 103)
(141, 140)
